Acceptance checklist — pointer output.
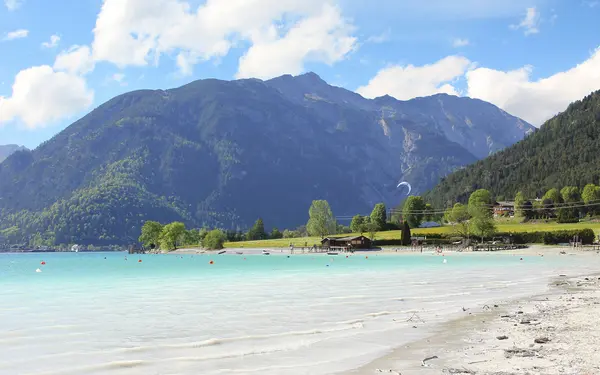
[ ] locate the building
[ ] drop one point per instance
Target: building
(504, 208)
(346, 243)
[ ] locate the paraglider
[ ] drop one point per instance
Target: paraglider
(404, 183)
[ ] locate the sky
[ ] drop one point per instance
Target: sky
(61, 59)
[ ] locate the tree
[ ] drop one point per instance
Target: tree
(321, 221)
(372, 228)
(591, 198)
(275, 234)
(406, 236)
(203, 232)
(290, 234)
(459, 217)
(571, 197)
(519, 202)
(528, 210)
(428, 215)
(554, 195)
(171, 235)
(379, 216)
(151, 231)
(214, 240)
(357, 224)
(191, 237)
(480, 197)
(257, 232)
(413, 211)
(482, 223)
(480, 203)
(547, 208)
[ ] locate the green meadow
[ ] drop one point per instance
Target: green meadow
(501, 228)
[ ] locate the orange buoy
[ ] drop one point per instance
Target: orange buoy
(211, 262)
(42, 263)
(139, 261)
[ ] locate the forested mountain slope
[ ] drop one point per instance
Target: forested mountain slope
(564, 152)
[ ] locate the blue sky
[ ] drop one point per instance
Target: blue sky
(60, 59)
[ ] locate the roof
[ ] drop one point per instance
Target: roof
(505, 203)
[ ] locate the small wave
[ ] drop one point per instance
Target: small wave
(124, 364)
(381, 313)
(438, 296)
(351, 321)
(221, 341)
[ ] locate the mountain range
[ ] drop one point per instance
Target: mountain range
(223, 153)
(563, 152)
(7, 150)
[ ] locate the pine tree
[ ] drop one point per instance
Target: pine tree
(406, 236)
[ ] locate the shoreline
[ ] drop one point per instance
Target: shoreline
(531, 250)
(550, 333)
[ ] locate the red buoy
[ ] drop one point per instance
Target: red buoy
(139, 261)
(43, 263)
(211, 262)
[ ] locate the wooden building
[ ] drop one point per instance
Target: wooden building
(346, 243)
(504, 208)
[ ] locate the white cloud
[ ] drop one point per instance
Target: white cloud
(514, 91)
(17, 34)
(40, 95)
(458, 42)
(535, 100)
(407, 82)
(381, 38)
(13, 4)
(76, 60)
(54, 39)
(139, 32)
(324, 37)
(118, 77)
(530, 23)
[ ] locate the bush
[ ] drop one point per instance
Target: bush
(214, 240)
(290, 234)
(587, 237)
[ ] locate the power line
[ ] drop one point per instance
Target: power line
(566, 206)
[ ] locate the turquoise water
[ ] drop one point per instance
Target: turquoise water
(105, 313)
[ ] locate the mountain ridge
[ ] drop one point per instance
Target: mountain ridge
(222, 153)
(7, 150)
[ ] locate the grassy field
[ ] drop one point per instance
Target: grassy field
(502, 227)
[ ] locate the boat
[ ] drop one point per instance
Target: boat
(265, 252)
(239, 252)
(222, 252)
(332, 253)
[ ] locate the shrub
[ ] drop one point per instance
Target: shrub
(214, 240)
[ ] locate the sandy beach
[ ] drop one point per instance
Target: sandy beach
(553, 333)
(537, 250)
